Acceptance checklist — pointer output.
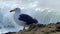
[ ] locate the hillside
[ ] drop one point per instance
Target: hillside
(52, 28)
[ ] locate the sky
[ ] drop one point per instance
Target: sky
(33, 7)
(53, 4)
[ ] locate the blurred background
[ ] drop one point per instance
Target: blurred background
(45, 11)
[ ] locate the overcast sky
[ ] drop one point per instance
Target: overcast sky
(53, 4)
(43, 10)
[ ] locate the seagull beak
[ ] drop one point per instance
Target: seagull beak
(12, 10)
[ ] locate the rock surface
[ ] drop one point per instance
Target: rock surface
(52, 28)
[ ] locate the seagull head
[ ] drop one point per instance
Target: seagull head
(16, 10)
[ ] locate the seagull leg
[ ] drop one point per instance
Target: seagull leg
(24, 28)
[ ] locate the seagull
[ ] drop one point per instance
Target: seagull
(23, 19)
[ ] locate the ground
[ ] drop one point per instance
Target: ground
(52, 28)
